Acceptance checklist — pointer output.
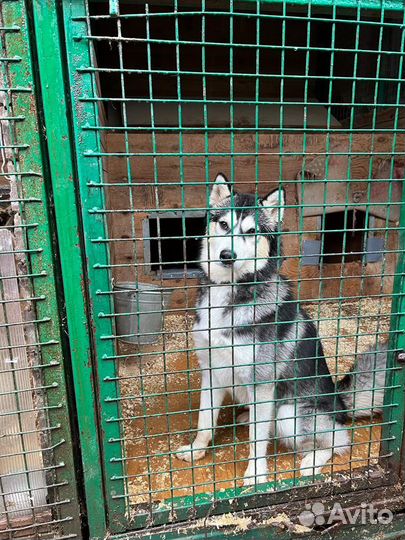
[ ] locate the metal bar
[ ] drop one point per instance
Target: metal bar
(62, 482)
(81, 53)
(138, 76)
(114, 7)
(57, 118)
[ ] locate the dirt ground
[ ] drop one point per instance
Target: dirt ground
(160, 398)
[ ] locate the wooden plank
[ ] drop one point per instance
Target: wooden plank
(275, 161)
(244, 115)
(384, 118)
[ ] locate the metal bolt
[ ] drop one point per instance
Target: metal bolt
(357, 196)
(401, 357)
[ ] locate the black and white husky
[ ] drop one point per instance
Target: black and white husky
(256, 344)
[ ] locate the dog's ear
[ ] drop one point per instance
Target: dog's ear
(220, 190)
(274, 203)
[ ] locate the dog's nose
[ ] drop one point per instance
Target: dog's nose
(227, 257)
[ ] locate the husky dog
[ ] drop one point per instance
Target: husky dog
(256, 344)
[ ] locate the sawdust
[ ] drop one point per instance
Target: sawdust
(169, 364)
(160, 399)
(300, 529)
(284, 522)
(347, 328)
(238, 523)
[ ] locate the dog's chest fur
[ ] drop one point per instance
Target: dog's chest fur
(229, 355)
(215, 313)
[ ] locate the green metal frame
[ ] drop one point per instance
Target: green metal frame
(88, 172)
(392, 5)
(393, 531)
(85, 113)
(394, 430)
(387, 5)
(39, 239)
(96, 402)
(58, 139)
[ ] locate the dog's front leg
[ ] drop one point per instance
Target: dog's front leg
(211, 398)
(261, 418)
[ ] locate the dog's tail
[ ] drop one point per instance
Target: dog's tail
(362, 389)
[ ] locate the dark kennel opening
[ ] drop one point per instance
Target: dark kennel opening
(172, 243)
(344, 236)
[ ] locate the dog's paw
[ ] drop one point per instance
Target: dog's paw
(243, 418)
(256, 473)
(190, 453)
(307, 466)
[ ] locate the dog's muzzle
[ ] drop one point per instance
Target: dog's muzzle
(227, 257)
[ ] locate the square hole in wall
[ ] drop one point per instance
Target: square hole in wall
(172, 243)
(344, 236)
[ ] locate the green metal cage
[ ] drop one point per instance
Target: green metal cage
(301, 106)
(307, 97)
(38, 490)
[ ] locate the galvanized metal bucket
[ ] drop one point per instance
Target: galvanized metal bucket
(141, 307)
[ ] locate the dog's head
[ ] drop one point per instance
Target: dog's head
(240, 232)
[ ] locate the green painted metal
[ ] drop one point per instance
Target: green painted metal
(387, 5)
(114, 8)
(258, 530)
(394, 431)
(58, 140)
(96, 256)
(63, 498)
(90, 92)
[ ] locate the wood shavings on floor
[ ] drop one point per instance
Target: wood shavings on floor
(284, 522)
(160, 397)
(237, 523)
(349, 327)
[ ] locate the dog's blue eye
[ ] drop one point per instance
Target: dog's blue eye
(224, 225)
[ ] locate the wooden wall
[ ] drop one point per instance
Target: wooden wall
(277, 159)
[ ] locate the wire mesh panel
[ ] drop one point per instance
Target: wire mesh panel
(241, 170)
(37, 481)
